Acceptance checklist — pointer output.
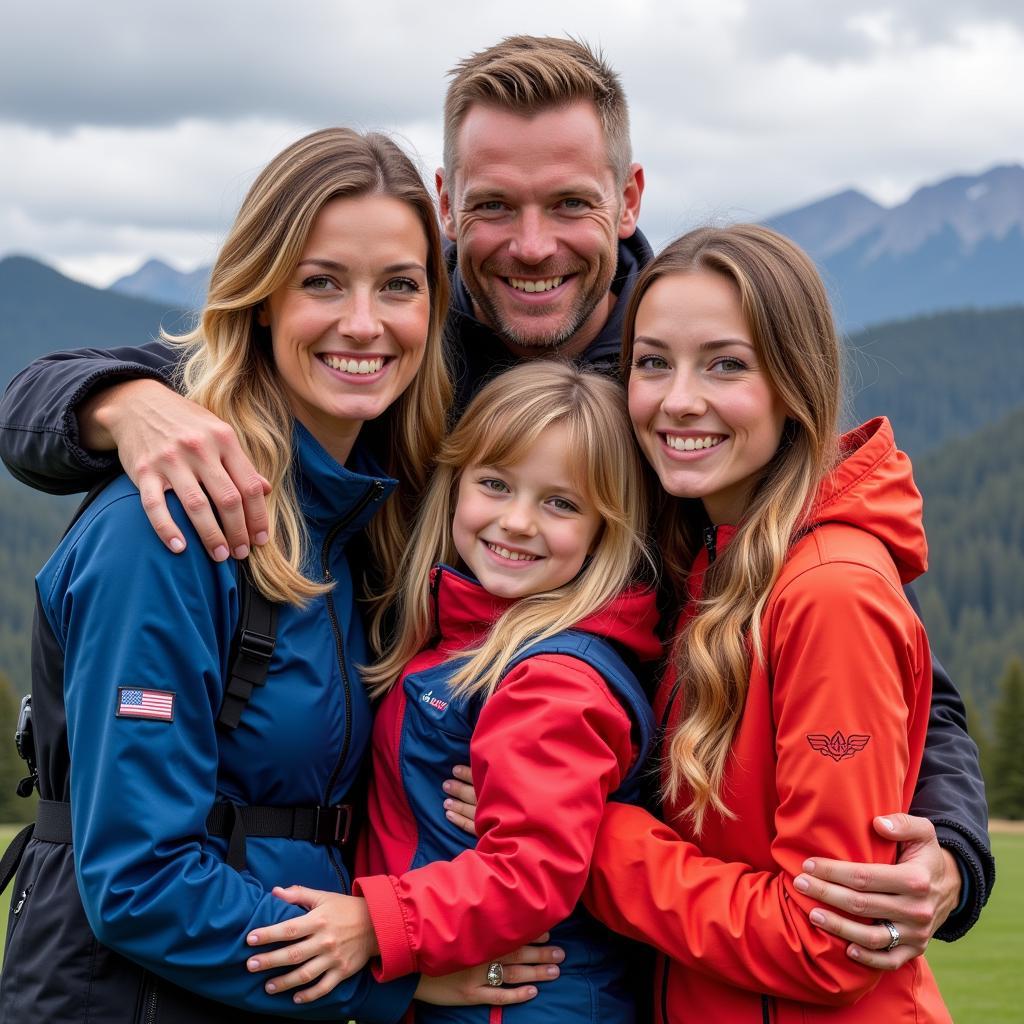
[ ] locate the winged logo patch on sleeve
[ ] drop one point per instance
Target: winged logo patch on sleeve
(837, 746)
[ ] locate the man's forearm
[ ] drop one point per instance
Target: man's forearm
(40, 439)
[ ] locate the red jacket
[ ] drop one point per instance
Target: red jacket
(548, 747)
(831, 734)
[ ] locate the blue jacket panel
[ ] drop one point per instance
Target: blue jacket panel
(127, 613)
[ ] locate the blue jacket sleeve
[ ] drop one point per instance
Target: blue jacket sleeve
(951, 793)
(127, 613)
(39, 439)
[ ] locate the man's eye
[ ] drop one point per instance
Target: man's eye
(575, 204)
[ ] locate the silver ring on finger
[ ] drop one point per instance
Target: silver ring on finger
(894, 934)
(496, 972)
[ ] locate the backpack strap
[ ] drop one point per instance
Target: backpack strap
(251, 650)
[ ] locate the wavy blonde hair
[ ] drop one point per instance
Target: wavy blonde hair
(230, 369)
(501, 424)
(787, 310)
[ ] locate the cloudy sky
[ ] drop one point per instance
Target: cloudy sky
(131, 129)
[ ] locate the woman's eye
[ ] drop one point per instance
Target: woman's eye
(318, 283)
(401, 284)
(728, 364)
(650, 363)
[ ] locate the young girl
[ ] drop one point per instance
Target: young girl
(797, 698)
(517, 659)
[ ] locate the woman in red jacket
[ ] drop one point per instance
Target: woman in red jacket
(797, 695)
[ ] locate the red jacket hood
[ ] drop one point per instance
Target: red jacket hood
(873, 489)
(464, 612)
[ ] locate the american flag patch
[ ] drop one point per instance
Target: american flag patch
(135, 703)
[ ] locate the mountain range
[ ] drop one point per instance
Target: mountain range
(951, 245)
(955, 244)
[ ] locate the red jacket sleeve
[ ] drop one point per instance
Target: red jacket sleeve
(550, 745)
(846, 653)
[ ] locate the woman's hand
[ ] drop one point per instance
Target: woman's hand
(460, 807)
(330, 943)
(469, 988)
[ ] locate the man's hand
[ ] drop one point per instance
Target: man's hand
(166, 442)
(916, 894)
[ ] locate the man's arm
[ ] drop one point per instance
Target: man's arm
(945, 870)
(63, 417)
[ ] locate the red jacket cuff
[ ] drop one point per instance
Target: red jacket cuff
(396, 956)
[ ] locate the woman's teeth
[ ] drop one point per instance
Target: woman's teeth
(354, 365)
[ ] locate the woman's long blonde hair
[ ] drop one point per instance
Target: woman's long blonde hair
(500, 426)
(230, 368)
(787, 311)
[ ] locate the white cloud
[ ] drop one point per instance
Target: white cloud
(132, 130)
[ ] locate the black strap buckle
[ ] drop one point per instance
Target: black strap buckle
(257, 645)
(332, 825)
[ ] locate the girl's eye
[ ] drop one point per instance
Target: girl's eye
(402, 284)
(650, 362)
(491, 484)
(563, 505)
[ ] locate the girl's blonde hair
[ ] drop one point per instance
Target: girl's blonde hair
(500, 426)
(787, 311)
(230, 368)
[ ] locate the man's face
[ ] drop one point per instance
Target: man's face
(536, 213)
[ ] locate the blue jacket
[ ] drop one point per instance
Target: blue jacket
(121, 611)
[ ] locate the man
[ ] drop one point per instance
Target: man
(540, 198)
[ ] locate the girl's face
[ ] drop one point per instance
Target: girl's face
(526, 528)
(704, 412)
(350, 324)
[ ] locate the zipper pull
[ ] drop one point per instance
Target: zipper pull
(21, 901)
(710, 542)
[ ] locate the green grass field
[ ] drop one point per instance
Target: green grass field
(981, 976)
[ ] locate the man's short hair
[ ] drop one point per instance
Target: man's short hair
(527, 74)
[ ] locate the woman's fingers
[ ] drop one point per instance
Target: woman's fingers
(286, 931)
(319, 970)
(534, 955)
(520, 974)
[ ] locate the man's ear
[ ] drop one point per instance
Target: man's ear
(632, 191)
(444, 203)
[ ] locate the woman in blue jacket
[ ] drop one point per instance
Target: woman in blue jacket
(324, 313)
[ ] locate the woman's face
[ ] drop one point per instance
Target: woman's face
(349, 325)
(704, 412)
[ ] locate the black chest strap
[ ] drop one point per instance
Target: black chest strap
(251, 650)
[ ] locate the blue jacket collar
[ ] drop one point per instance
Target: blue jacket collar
(329, 492)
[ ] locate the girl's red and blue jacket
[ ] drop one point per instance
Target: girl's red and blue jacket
(568, 728)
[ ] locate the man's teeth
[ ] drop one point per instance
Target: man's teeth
(692, 444)
(513, 556)
(354, 365)
(544, 285)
